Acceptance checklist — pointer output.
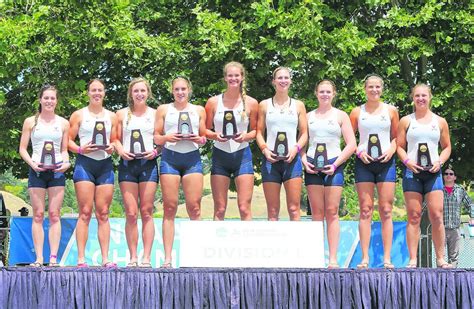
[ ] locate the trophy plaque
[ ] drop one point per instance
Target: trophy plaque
(229, 126)
(374, 148)
(280, 149)
(320, 157)
(137, 147)
(184, 125)
(48, 157)
(99, 137)
(423, 157)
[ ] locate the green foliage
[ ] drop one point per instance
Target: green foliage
(68, 43)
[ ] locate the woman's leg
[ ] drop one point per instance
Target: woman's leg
(55, 197)
(85, 203)
(413, 201)
(434, 199)
(332, 198)
(130, 200)
(220, 187)
(37, 197)
(169, 192)
(386, 196)
(244, 184)
(293, 197)
(365, 192)
(147, 198)
(271, 191)
(192, 188)
(103, 199)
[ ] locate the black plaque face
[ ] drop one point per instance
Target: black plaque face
(137, 147)
(99, 136)
(229, 126)
(184, 125)
(280, 149)
(423, 157)
(374, 148)
(48, 157)
(320, 157)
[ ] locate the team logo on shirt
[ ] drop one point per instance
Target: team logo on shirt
(330, 122)
(433, 127)
(382, 118)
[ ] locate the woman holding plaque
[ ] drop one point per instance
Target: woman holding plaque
(324, 162)
(49, 139)
(231, 122)
(138, 171)
(377, 124)
(93, 173)
(419, 135)
(282, 118)
(181, 128)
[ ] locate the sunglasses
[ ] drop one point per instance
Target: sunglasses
(448, 174)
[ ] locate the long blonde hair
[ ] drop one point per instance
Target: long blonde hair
(243, 84)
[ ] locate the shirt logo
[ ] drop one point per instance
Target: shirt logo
(433, 127)
(382, 118)
(330, 122)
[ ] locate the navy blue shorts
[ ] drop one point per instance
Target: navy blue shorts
(45, 179)
(232, 164)
(138, 171)
(176, 163)
(321, 179)
(99, 172)
(281, 171)
(423, 182)
(375, 172)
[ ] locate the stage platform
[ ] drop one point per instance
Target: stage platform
(96, 287)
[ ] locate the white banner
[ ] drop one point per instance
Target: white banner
(252, 244)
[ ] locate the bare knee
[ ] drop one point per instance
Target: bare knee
(414, 218)
(385, 211)
(38, 216)
(366, 211)
(436, 218)
(294, 208)
(194, 210)
(332, 212)
(85, 215)
(54, 217)
(102, 215)
(132, 218)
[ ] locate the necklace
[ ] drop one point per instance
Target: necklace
(282, 107)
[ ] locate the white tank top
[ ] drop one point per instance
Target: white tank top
(374, 124)
(171, 126)
(47, 132)
(326, 131)
(281, 121)
(86, 129)
(144, 123)
(241, 121)
(423, 133)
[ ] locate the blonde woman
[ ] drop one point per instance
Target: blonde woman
(138, 170)
(234, 114)
(324, 180)
(283, 120)
(181, 128)
(419, 135)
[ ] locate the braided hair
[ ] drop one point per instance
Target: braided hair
(243, 84)
(130, 95)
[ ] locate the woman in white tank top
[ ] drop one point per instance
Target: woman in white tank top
(281, 116)
(180, 160)
(138, 177)
(419, 134)
(375, 118)
(92, 188)
(227, 150)
(46, 128)
(326, 124)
